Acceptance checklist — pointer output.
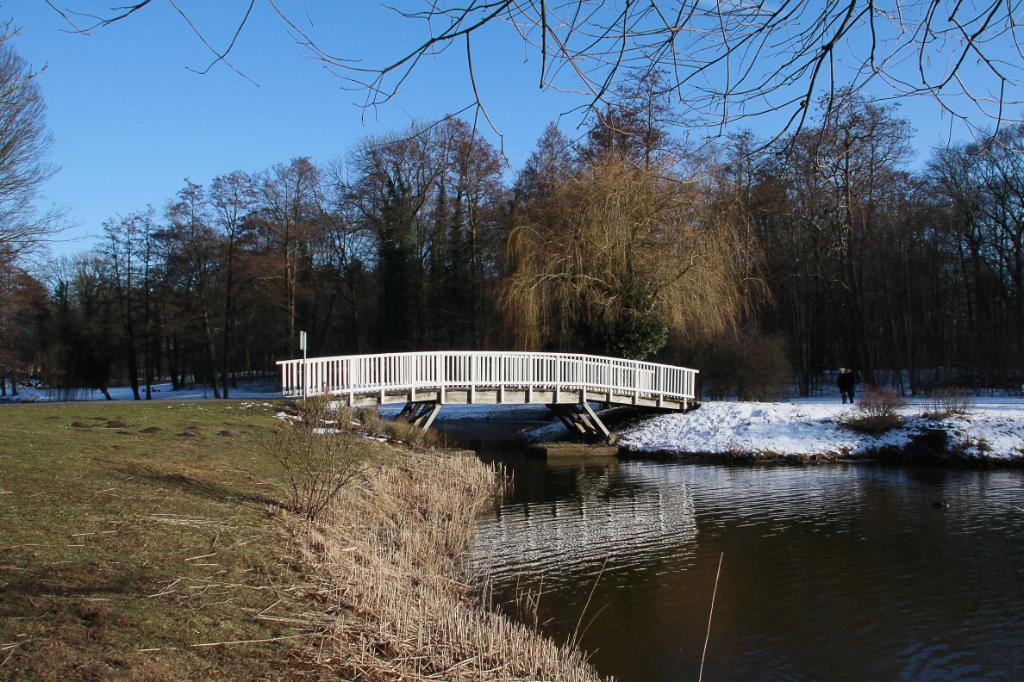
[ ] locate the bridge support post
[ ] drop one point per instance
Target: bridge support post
(420, 414)
(582, 419)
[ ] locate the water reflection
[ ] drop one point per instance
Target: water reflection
(607, 516)
(831, 572)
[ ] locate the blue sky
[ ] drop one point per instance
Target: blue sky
(130, 122)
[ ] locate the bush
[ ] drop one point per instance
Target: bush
(950, 401)
(880, 402)
(318, 458)
(877, 412)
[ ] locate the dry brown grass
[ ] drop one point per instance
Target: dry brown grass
(392, 582)
(369, 422)
(950, 401)
(877, 412)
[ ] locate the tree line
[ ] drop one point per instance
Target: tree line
(757, 262)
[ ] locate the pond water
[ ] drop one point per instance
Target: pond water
(835, 572)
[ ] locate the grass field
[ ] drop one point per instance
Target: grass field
(135, 543)
(149, 542)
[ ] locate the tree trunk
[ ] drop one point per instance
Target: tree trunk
(225, 370)
(211, 360)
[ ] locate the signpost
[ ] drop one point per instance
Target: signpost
(305, 373)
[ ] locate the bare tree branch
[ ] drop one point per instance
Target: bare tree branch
(730, 60)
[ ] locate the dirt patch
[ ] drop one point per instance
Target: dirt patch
(116, 424)
(190, 433)
(151, 429)
(80, 425)
(228, 434)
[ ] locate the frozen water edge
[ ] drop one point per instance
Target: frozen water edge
(994, 430)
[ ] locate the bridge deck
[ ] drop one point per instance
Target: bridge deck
(489, 377)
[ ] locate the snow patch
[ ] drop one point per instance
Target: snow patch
(994, 430)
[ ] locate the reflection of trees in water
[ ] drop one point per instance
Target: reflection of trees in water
(773, 493)
(608, 515)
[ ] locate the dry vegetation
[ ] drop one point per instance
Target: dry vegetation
(877, 412)
(953, 401)
(368, 422)
(391, 579)
(388, 538)
(318, 460)
(154, 542)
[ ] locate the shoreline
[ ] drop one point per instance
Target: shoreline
(888, 457)
(987, 437)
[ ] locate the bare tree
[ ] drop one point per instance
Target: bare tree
(290, 195)
(727, 60)
(24, 143)
(396, 175)
(234, 199)
(127, 255)
(197, 243)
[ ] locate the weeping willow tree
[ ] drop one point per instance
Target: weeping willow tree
(619, 259)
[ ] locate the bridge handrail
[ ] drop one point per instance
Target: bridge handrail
(381, 372)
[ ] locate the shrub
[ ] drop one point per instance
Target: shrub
(880, 402)
(877, 412)
(950, 401)
(318, 459)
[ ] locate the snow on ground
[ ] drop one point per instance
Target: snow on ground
(811, 427)
(28, 394)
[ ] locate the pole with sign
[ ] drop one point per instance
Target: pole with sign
(305, 372)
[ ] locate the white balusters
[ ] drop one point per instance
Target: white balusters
(472, 370)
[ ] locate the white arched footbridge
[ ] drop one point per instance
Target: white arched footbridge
(425, 381)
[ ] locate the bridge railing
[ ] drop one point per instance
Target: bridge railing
(391, 372)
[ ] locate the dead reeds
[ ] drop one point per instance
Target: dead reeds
(392, 588)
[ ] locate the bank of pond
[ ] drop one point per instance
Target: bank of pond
(991, 433)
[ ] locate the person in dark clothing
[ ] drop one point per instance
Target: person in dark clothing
(846, 382)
